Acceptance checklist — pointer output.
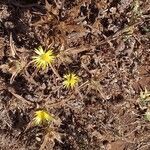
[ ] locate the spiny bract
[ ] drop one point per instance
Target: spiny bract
(44, 58)
(145, 95)
(70, 80)
(42, 117)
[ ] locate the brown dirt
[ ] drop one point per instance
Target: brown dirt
(105, 42)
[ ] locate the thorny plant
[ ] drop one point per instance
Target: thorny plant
(70, 80)
(136, 7)
(45, 119)
(16, 63)
(42, 117)
(144, 103)
(147, 115)
(14, 67)
(145, 95)
(44, 58)
(49, 139)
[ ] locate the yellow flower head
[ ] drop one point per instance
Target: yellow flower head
(42, 117)
(70, 80)
(43, 58)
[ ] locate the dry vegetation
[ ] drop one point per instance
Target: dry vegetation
(105, 45)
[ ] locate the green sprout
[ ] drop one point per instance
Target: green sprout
(147, 115)
(145, 95)
(44, 58)
(70, 80)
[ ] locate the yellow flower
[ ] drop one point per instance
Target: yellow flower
(70, 80)
(42, 117)
(43, 58)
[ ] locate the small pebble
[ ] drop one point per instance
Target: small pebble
(38, 139)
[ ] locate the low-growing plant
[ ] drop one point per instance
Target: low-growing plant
(44, 58)
(49, 139)
(145, 95)
(42, 117)
(70, 80)
(136, 7)
(147, 115)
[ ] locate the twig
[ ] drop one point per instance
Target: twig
(20, 97)
(55, 71)
(12, 46)
(61, 102)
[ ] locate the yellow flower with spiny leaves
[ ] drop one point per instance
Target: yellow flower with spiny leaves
(70, 80)
(44, 58)
(42, 117)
